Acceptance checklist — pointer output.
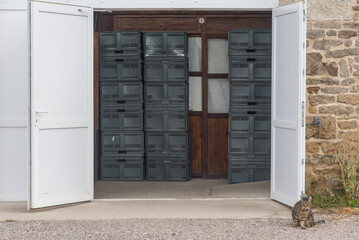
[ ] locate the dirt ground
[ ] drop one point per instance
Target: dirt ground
(336, 227)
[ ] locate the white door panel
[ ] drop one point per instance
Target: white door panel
(13, 105)
(288, 132)
(61, 104)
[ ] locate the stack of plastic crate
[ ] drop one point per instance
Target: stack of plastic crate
(121, 106)
(166, 106)
(250, 105)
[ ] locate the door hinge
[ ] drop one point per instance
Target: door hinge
(303, 113)
(304, 15)
(303, 47)
(302, 161)
(303, 72)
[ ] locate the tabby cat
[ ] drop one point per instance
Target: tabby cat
(302, 213)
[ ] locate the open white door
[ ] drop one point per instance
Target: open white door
(288, 104)
(61, 57)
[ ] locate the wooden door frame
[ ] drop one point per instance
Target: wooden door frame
(219, 24)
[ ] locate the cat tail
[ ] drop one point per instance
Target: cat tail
(320, 222)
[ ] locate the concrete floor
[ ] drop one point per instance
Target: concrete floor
(151, 209)
(194, 189)
(197, 199)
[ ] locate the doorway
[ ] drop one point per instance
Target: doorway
(208, 74)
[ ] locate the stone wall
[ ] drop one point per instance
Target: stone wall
(332, 84)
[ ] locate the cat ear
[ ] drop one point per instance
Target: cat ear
(310, 198)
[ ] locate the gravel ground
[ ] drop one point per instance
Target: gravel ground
(345, 228)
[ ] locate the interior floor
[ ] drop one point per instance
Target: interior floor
(195, 188)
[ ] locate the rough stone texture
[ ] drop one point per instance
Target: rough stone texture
(329, 10)
(346, 34)
(348, 124)
(348, 43)
(320, 159)
(312, 34)
(342, 53)
(312, 147)
(328, 24)
(344, 72)
(314, 64)
(347, 81)
(331, 33)
(354, 89)
(327, 146)
(320, 99)
(323, 80)
(332, 69)
(336, 109)
(312, 109)
(326, 130)
(334, 90)
(313, 90)
(348, 98)
(326, 44)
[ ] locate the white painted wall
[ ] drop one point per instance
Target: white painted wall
(13, 105)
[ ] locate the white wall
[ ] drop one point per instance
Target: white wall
(13, 105)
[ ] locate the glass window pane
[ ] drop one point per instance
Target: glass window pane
(218, 56)
(195, 54)
(218, 95)
(195, 93)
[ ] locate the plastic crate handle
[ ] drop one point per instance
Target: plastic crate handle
(118, 51)
(122, 151)
(119, 60)
(121, 160)
(251, 59)
(252, 103)
(251, 112)
(122, 101)
(121, 110)
(251, 50)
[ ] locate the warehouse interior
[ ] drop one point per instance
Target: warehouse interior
(210, 113)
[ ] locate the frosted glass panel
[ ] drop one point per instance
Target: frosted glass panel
(195, 54)
(217, 56)
(218, 95)
(195, 93)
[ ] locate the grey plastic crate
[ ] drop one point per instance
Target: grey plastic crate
(254, 121)
(120, 43)
(250, 94)
(115, 93)
(115, 143)
(165, 44)
(166, 69)
(122, 169)
(122, 119)
(174, 93)
(166, 143)
(166, 120)
(248, 172)
(168, 169)
(245, 68)
(121, 69)
(249, 146)
(250, 42)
